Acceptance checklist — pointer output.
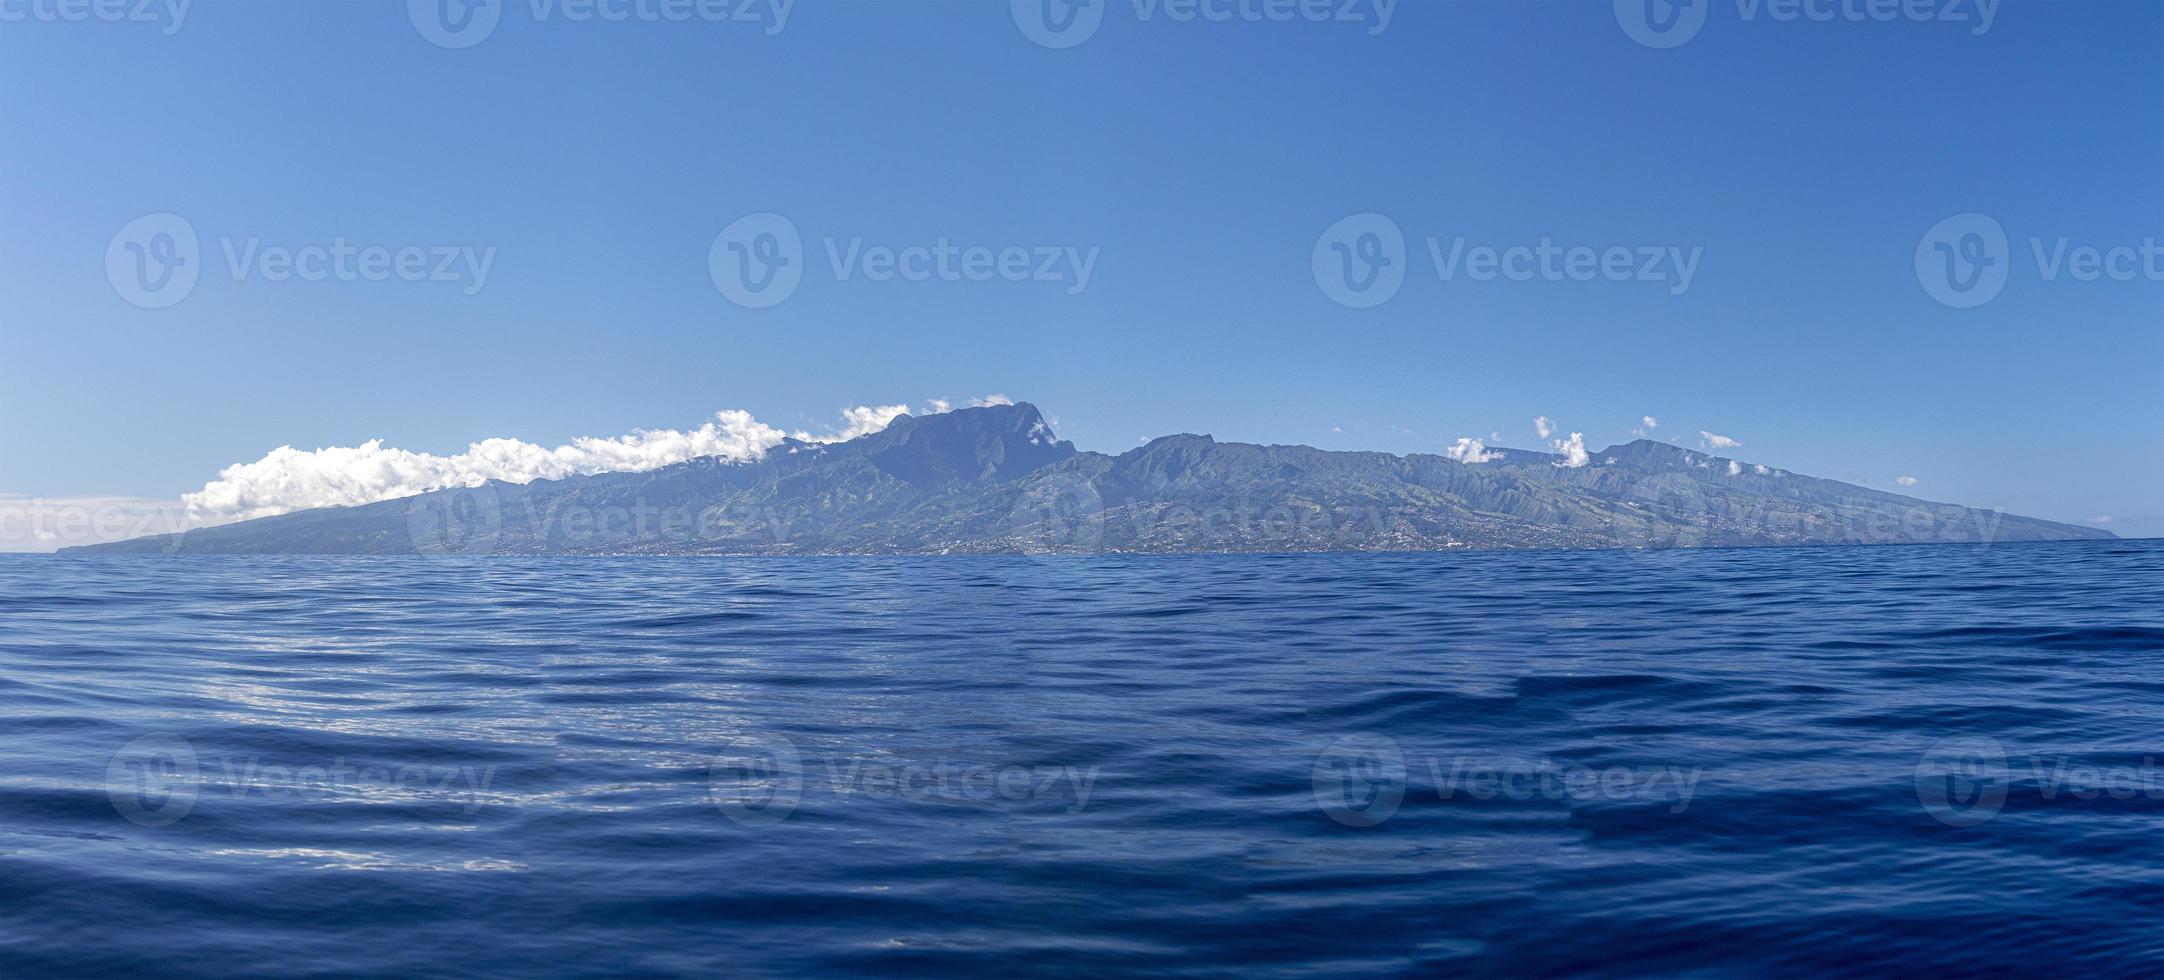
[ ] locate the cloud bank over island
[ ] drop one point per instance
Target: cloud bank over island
(288, 479)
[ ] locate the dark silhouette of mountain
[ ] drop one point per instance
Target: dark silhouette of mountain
(998, 481)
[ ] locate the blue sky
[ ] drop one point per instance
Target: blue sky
(1195, 162)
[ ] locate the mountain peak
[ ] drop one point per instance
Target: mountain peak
(1652, 451)
(988, 444)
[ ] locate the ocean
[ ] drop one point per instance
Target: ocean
(1931, 759)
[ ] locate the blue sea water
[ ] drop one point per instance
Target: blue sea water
(1936, 760)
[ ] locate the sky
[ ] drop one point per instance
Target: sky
(1860, 239)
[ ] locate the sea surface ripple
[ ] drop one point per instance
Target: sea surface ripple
(1940, 760)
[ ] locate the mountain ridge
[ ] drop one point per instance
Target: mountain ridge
(998, 480)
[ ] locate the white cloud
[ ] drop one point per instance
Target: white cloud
(1469, 450)
(1906, 481)
(1760, 469)
(287, 479)
(1573, 450)
(1735, 468)
(1718, 441)
(939, 406)
(1650, 423)
(1545, 426)
(863, 420)
(2104, 519)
